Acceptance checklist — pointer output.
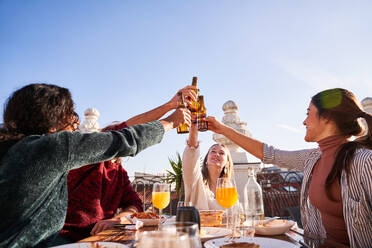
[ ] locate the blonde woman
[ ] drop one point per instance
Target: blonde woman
(201, 181)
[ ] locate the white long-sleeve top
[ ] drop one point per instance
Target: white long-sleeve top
(195, 190)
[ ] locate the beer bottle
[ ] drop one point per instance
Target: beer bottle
(201, 114)
(194, 105)
(183, 128)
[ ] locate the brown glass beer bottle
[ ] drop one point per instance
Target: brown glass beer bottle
(194, 104)
(201, 114)
(183, 128)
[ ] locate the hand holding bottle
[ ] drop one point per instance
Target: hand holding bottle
(214, 124)
(183, 128)
(189, 96)
(178, 117)
(201, 114)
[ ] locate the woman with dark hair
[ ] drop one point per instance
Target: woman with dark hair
(200, 184)
(37, 149)
(336, 194)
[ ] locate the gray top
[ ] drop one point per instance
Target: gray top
(33, 173)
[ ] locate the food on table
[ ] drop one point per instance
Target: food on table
(211, 218)
(144, 215)
(273, 223)
(240, 245)
(95, 245)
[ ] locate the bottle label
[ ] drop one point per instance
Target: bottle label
(201, 123)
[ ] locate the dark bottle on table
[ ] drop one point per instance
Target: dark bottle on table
(201, 114)
(183, 128)
(188, 214)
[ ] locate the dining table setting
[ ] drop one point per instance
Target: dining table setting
(233, 227)
(127, 235)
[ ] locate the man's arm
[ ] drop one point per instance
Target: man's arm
(157, 113)
(120, 217)
(117, 219)
(151, 115)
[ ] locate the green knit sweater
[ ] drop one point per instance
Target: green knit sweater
(33, 173)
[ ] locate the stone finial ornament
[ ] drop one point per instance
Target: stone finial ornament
(90, 123)
(231, 119)
(367, 104)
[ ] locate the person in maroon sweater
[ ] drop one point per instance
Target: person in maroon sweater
(100, 195)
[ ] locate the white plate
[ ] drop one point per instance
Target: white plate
(275, 229)
(92, 245)
(208, 233)
(263, 242)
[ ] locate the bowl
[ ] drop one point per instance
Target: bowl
(275, 227)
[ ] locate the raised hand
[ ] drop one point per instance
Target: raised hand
(188, 93)
(178, 117)
(214, 124)
(181, 116)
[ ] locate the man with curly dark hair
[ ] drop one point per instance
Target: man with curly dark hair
(37, 149)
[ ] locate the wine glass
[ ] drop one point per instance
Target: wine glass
(160, 196)
(226, 194)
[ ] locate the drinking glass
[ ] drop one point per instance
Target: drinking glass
(163, 239)
(189, 228)
(242, 230)
(226, 194)
(236, 219)
(160, 196)
(246, 229)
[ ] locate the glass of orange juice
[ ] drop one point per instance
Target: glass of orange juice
(160, 196)
(226, 194)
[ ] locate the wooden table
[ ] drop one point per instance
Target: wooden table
(120, 235)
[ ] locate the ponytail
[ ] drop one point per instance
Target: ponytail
(346, 153)
(368, 119)
(366, 140)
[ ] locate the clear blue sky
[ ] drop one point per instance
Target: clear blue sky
(126, 57)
